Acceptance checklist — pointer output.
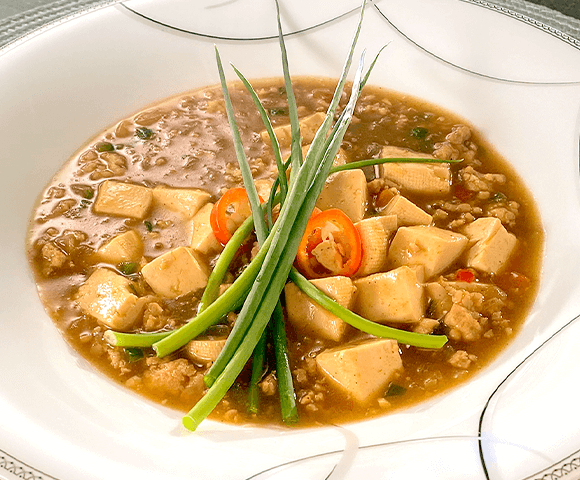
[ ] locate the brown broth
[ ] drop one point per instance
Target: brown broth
(191, 146)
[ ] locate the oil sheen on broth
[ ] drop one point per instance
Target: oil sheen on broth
(478, 295)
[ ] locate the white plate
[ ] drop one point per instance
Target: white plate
(516, 80)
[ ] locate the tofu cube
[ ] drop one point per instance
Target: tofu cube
(202, 239)
(375, 233)
(390, 297)
(407, 212)
(432, 247)
(123, 200)
(126, 247)
(186, 201)
(347, 191)
(204, 351)
(463, 324)
(492, 245)
(307, 316)
(418, 178)
(108, 297)
(309, 125)
(362, 370)
(175, 273)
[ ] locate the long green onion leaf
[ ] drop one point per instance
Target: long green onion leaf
(257, 371)
(284, 375)
(273, 140)
(296, 139)
(260, 224)
(378, 330)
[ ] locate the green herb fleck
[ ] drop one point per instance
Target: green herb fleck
(148, 225)
(278, 111)
(395, 390)
(498, 197)
(127, 268)
(419, 132)
(133, 354)
(105, 147)
(85, 203)
(144, 133)
(89, 193)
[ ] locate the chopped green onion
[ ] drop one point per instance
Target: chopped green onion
(257, 373)
(127, 268)
(134, 354)
(148, 225)
(376, 329)
(144, 133)
(498, 197)
(395, 390)
(419, 132)
(89, 193)
(105, 147)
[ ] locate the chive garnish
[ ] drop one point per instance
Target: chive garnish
(148, 225)
(419, 132)
(395, 390)
(134, 354)
(127, 268)
(144, 133)
(105, 147)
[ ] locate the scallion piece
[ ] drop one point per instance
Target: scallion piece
(367, 326)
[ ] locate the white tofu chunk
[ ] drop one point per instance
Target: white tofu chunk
(407, 212)
(418, 178)
(463, 324)
(362, 370)
(202, 238)
(492, 245)
(375, 233)
(186, 201)
(306, 315)
(390, 297)
(347, 191)
(432, 247)
(204, 351)
(123, 200)
(125, 247)
(108, 297)
(175, 273)
(309, 125)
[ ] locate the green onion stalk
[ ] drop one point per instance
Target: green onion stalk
(258, 288)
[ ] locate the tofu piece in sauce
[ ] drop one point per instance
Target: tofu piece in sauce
(125, 247)
(122, 199)
(203, 239)
(431, 247)
(362, 370)
(108, 297)
(306, 315)
(186, 201)
(493, 244)
(347, 191)
(375, 233)
(417, 178)
(390, 297)
(175, 273)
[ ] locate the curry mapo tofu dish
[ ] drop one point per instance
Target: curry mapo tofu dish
(415, 268)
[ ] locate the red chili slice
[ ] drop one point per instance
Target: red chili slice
(229, 213)
(331, 245)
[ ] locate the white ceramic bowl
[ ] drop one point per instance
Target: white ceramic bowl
(517, 81)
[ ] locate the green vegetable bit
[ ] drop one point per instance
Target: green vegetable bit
(144, 133)
(419, 132)
(148, 225)
(134, 354)
(105, 147)
(395, 390)
(128, 268)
